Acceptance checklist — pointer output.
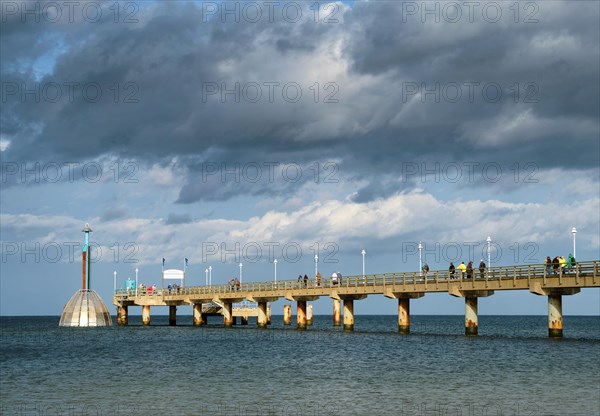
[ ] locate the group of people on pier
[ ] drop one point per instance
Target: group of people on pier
(466, 271)
(174, 288)
(234, 283)
(336, 279)
(559, 265)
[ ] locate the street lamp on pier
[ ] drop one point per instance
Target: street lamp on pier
(420, 259)
(489, 254)
(574, 232)
(363, 261)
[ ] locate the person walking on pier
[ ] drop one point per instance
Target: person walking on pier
(305, 280)
(425, 269)
(299, 280)
(318, 278)
(481, 268)
(451, 270)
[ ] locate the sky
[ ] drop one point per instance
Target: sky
(230, 132)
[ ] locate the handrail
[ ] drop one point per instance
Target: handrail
(498, 273)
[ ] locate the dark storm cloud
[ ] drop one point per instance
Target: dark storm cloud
(164, 62)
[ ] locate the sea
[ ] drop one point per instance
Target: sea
(510, 368)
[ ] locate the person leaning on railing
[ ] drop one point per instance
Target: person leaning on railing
(548, 262)
(470, 270)
(571, 262)
(563, 264)
(463, 269)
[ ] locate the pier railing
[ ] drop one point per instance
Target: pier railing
(493, 274)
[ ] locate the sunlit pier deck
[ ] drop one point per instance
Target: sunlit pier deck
(537, 279)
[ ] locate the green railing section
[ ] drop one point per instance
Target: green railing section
(500, 273)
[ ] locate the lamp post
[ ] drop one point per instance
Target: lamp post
(210, 276)
(115, 281)
(420, 259)
(206, 274)
(241, 265)
(489, 254)
(363, 259)
(275, 263)
(574, 232)
(136, 281)
(316, 263)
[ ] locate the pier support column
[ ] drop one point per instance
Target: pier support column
(261, 321)
(471, 322)
(337, 313)
(146, 315)
(198, 318)
(301, 315)
(268, 314)
(122, 315)
(555, 321)
(244, 320)
(404, 315)
(309, 315)
(227, 314)
(287, 314)
(172, 315)
(348, 314)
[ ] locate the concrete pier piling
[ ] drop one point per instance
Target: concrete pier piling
(301, 315)
(268, 314)
(555, 321)
(471, 320)
(227, 314)
(555, 316)
(122, 315)
(309, 315)
(244, 320)
(262, 320)
(172, 315)
(287, 314)
(198, 317)
(404, 315)
(348, 314)
(337, 313)
(146, 315)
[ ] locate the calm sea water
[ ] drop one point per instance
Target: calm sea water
(511, 368)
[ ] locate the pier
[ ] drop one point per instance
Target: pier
(405, 286)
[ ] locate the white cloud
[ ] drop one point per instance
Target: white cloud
(401, 217)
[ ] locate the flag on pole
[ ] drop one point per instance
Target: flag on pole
(186, 261)
(163, 262)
